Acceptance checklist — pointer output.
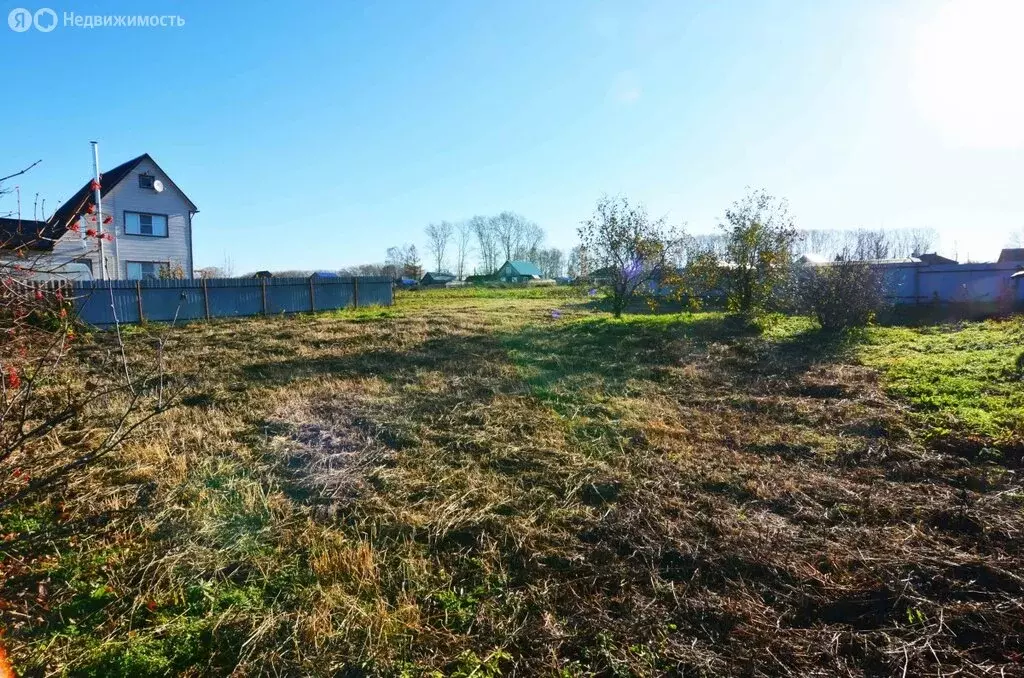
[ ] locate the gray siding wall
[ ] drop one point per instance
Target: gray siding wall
(175, 249)
(74, 246)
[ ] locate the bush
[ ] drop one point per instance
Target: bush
(759, 242)
(633, 251)
(842, 295)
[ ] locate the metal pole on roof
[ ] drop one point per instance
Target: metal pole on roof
(99, 207)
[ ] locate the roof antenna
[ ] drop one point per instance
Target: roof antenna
(96, 197)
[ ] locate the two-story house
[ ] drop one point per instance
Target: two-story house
(150, 220)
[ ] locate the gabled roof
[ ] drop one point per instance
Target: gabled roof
(525, 268)
(1011, 254)
(24, 233)
(438, 276)
(933, 259)
(605, 272)
(812, 258)
(67, 213)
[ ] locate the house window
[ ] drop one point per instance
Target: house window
(137, 223)
(146, 181)
(87, 262)
(144, 270)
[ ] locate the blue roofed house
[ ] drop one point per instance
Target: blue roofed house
(518, 271)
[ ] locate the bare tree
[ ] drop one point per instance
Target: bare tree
(366, 269)
(873, 245)
(487, 243)
(921, 240)
(438, 237)
(463, 246)
(510, 231)
(865, 244)
(413, 267)
(551, 262)
(714, 243)
(4, 190)
(576, 265)
(530, 237)
(825, 243)
(404, 260)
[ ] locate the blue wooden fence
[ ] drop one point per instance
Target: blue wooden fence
(166, 300)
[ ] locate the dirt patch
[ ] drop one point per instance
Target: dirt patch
(330, 451)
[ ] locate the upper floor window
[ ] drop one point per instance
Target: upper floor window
(137, 223)
(146, 181)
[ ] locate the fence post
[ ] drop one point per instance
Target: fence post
(138, 298)
(312, 296)
(206, 299)
(355, 292)
(264, 281)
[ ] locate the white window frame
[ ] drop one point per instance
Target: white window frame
(154, 274)
(135, 224)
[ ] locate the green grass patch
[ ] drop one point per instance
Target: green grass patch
(960, 377)
(431, 296)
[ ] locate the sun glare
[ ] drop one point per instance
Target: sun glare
(968, 72)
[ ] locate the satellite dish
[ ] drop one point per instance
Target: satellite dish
(158, 185)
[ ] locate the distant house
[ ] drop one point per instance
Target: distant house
(518, 271)
(926, 259)
(1011, 255)
(602, 276)
(149, 217)
(935, 259)
(436, 279)
(812, 259)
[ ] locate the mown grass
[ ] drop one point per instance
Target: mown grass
(509, 293)
(962, 378)
(470, 484)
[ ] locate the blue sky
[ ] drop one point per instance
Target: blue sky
(315, 135)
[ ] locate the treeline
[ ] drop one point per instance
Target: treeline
(478, 245)
(481, 244)
(834, 244)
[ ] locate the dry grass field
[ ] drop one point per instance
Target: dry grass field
(466, 485)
